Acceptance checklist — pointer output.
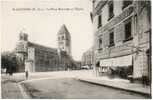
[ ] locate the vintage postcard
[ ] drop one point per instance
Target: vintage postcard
(76, 49)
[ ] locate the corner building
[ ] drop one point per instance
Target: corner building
(122, 36)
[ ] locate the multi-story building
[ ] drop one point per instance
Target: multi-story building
(37, 57)
(122, 30)
(88, 58)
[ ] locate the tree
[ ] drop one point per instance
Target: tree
(9, 61)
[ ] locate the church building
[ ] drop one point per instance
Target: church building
(39, 58)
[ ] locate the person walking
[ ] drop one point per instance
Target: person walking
(97, 68)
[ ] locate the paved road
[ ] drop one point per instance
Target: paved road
(11, 90)
(9, 87)
(63, 88)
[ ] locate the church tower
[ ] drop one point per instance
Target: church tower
(64, 40)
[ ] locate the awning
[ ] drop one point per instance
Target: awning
(118, 61)
(106, 62)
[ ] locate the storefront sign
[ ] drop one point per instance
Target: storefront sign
(119, 61)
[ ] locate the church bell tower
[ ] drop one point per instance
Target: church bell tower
(64, 40)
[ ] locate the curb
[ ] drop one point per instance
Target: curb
(138, 92)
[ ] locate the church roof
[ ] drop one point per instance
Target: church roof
(63, 30)
(42, 47)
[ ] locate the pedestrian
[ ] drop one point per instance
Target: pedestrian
(26, 74)
(97, 68)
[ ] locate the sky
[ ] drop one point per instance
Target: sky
(42, 19)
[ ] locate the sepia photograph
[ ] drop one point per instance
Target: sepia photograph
(76, 49)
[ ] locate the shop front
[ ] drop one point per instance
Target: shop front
(117, 67)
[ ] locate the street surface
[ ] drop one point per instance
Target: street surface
(68, 88)
(60, 85)
(9, 88)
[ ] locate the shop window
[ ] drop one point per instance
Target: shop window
(111, 10)
(111, 39)
(99, 21)
(126, 3)
(128, 30)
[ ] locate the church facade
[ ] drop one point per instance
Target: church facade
(39, 58)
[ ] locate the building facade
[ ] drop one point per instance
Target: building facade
(88, 58)
(122, 31)
(37, 58)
